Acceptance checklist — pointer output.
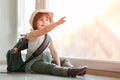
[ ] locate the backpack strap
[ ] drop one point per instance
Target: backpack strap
(43, 46)
(39, 50)
(21, 44)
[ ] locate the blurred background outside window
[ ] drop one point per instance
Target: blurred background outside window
(91, 30)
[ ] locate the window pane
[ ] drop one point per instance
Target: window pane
(27, 7)
(91, 31)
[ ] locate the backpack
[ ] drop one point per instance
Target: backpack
(14, 59)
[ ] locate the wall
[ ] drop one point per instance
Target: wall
(8, 26)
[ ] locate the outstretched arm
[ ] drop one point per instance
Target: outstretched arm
(47, 28)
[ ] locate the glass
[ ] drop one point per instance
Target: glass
(27, 7)
(91, 30)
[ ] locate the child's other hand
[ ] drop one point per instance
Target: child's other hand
(15, 50)
(61, 21)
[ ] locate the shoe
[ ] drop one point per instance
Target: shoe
(83, 72)
(74, 71)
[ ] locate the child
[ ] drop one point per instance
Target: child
(48, 62)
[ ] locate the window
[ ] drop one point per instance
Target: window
(91, 34)
(91, 31)
(25, 9)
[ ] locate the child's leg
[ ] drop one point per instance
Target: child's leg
(49, 68)
(65, 62)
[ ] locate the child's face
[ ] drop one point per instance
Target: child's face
(42, 22)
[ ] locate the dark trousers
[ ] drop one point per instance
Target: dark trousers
(51, 68)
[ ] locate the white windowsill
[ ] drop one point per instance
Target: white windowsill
(97, 64)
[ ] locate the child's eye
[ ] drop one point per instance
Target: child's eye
(47, 19)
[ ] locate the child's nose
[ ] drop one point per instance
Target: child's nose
(44, 21)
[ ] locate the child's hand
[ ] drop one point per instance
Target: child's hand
(15, 50)
(61, 21)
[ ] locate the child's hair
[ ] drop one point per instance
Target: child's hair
(39, 15)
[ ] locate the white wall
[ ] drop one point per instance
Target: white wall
(8, 26)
